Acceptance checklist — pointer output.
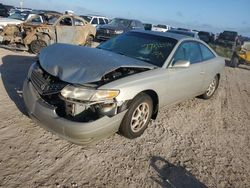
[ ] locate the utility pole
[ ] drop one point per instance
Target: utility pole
(21, 4)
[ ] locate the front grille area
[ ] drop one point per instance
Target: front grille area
(44, 83)
(105, 33)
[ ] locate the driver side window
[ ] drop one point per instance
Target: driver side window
(66, 22)
(189, 51)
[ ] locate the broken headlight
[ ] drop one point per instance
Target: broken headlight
(87, 94)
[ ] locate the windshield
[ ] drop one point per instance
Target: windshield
(117, 22)
(19, 16)
(150, 48)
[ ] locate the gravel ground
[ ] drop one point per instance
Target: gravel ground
(196, 143)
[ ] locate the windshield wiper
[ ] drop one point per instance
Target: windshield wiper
(145, 60)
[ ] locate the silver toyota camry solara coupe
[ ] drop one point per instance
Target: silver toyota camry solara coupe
(84, 94)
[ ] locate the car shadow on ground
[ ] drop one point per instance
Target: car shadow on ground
(171, 176)
(14, 70)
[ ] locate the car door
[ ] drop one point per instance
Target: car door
(65, 31)
(183, 83)
(81, 31)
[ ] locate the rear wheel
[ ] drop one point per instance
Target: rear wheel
(211, 88)
(137, 117)
(37, 45)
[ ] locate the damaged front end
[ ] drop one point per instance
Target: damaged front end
(19, 37)
(78, 103)
(12, 37)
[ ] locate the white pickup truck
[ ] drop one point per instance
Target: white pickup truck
(161, 28)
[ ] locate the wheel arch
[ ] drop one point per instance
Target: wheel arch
(218, 75)
(154, 96)
(41, 35)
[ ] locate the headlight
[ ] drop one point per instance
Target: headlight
(86, 94)
(119, 32)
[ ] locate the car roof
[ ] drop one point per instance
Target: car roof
(165, 34)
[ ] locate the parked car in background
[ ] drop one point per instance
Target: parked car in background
(161, 28)
(96, 20)
(147, 26)
(194, 30)
(186, 33)
(116, 27)
(84, 94)
(228, 39)
(32, 37)
(183, 29)
(207, 37)
(18, 18)
(3, 11)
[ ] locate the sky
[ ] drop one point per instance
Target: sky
(209, 15)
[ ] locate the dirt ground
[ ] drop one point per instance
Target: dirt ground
(197, 143)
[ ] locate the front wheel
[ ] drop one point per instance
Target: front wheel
(137, 117)
(235, 61)
(37, 45)
(89, 41)
(211, 88)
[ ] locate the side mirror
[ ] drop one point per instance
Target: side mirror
(181, 64)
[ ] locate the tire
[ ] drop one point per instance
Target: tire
(37, 45)
(211, 88)
(138, 116)
(235, 61)
(89, 41)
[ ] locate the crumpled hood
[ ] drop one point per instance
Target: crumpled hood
(80, 65)
(5, 21)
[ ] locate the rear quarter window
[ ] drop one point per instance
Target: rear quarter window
(189, 51)
(206, 52)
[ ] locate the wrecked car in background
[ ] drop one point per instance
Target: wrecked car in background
(18, 18)
(84, 94)
(56, 29)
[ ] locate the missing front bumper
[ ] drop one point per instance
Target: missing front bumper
(76, 132)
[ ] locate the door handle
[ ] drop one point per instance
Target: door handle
(202, 72)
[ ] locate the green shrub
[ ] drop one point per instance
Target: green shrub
(222, 51)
